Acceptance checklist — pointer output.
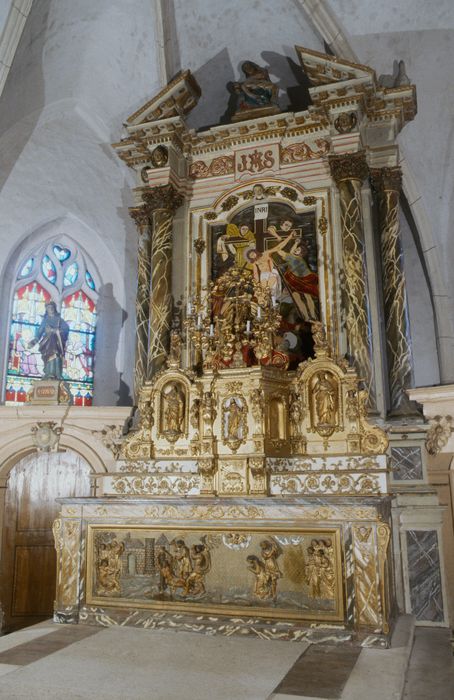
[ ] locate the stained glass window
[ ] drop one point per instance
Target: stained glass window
(26, 268)
(89, 279)
(79, 312)
(60, 275)
(61, 254)
(71, 275)
(49, 269)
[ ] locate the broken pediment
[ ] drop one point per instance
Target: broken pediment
(176, 99)
(323, 69)
(337, 83)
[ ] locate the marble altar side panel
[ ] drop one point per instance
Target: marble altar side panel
(425, 575)
(406, 463)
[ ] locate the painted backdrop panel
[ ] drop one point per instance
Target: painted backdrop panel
(279, 247)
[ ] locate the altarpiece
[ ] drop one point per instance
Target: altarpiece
(251, 491)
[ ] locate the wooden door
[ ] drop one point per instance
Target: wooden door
(28, 570)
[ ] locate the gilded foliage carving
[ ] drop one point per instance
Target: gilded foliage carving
(440, 430)
(155, 485)
(328, 484)
(224, 165)
(298, 152)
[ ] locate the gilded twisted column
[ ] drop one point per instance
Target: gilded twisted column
(387, 184)
(349, 171)
(141, 218)
(162, 202)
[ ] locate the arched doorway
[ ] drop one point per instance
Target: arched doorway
(28, 564)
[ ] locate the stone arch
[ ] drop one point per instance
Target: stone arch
(21, 444)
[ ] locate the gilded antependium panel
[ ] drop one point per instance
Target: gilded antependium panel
(291, 573)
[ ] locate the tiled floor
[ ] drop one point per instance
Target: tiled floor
(431, 669)
(321, 671)
(59, 662)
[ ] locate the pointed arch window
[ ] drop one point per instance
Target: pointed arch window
(57, 271)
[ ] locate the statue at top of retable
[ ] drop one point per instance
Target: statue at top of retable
(52, 335)
(255, 92)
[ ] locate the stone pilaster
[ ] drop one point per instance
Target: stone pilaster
(387, 184)
(162, 202)
(349, 171)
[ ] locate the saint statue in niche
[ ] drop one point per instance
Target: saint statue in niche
(52, 335)
(234, 416)
(172, 412)
(325, 395)
(255, 92)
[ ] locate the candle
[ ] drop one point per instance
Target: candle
(259, 312)
(248, 326)
(189, 308)
(211, 329)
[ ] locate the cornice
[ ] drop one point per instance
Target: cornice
(135, 148)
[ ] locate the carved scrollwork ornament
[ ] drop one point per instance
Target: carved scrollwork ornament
(440, 430)
(224, 165)
(345, 122)
(160, 157)
(46, 436)
(229, 203)
(111, 437)
(289, 193)
(199, 246)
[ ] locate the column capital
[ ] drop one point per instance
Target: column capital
(349, 166)
(140, 215)
(162, 197)
(386, 179)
